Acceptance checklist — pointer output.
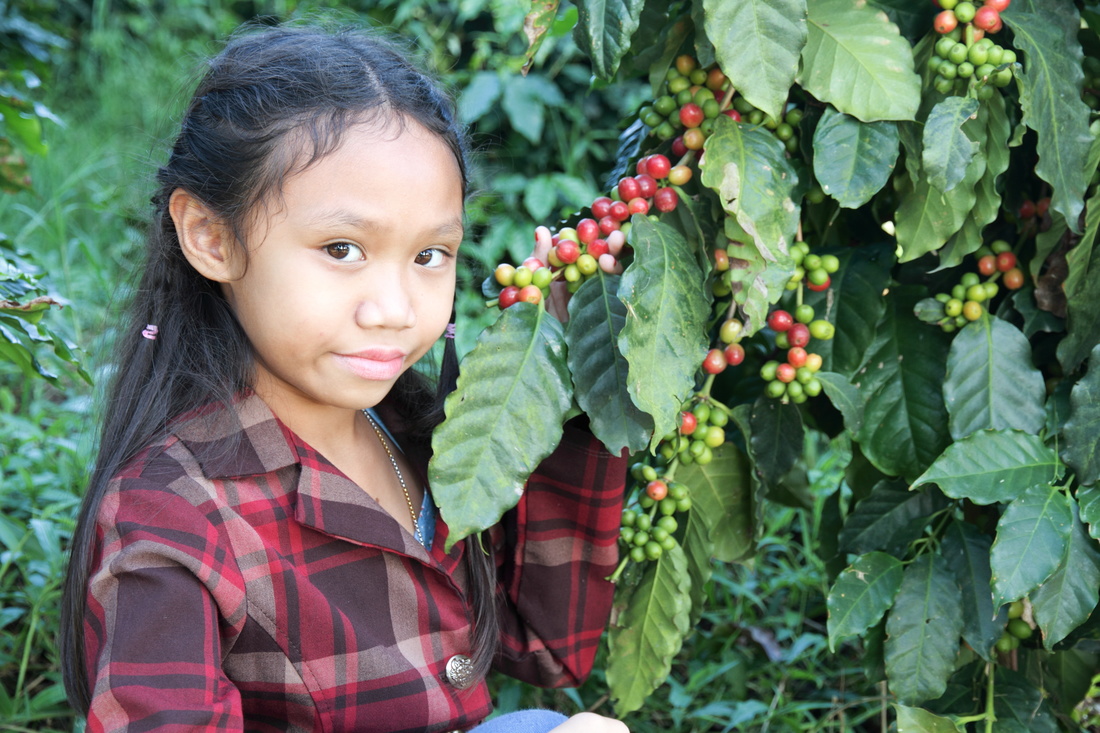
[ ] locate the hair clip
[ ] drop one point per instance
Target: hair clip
(450, 332)
(150, 332)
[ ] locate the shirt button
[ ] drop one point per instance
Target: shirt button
(460, 671)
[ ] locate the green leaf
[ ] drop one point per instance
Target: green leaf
(853, 159)
(756, 283)
(889, 518)
(947, 148)
(923, 631)
(861, 595)
(721, 499)
(649, 633)
(991, 382)
(1069, 595)
(748, 167)
(1018, 703)
(1032, 536)
(539, 197)
(900, 381)
(758, 43)
(1089, 501)
(536, 24)
(854, 304)
(855, 58)
(603, 31)
(1082, 429)
(777, 435)
(919, 720)
(966, 551)
(990, 466)
(596, 316)
(1082, 289)
(845, 398)
(664, 339)
(525, 99)
(928, 217)
(1050, 96)
(1069, 676)
(912, 19)
(479, 96)
(504, 417)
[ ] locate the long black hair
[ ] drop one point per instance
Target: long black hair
(271, 103)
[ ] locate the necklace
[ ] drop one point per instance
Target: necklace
(400, 478)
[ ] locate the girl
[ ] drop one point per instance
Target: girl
(257, 549)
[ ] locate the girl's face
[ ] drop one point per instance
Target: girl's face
(351, 272)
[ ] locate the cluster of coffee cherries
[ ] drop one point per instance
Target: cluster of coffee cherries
(785, 128)
(817, 270)
(527, 283)
(732, 352)
(648, 527)
(1033, 209)
(1016, 630)
(686, 104)
(965, 302)
(962, 58)
(702, 429)
(794, 379)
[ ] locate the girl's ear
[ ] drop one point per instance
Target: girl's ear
(207, 243)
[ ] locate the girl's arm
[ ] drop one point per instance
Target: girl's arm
(560, 543)
(156, 614)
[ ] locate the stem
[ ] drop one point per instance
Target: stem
(614, 577)
(991, 716)
(705, 391)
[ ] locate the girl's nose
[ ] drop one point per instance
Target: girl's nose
(386, 301)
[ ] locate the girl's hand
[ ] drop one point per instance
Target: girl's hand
(558, 301)
(591, 723)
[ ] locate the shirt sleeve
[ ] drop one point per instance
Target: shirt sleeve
(560, 546)
(156, 616)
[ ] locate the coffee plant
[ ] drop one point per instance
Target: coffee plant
(861, 219)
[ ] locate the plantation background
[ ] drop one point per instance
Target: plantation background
(106, 79)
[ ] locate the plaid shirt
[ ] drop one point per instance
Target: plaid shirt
(243, 582)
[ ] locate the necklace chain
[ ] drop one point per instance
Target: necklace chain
(400, 478)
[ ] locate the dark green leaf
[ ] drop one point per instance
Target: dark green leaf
(1032, 536)
(758, 43)
(854, 304)
(1082, 289)
(845, 398)
(947, 148)
(862, 594)
(721, 499)
(889, 519)
(501, 421)
(1082, 430)
(855, 58)
(966, 551)
(1050, 87)
(664, 338)
(1019, 705)
(990, 466)
(1069, 674)
(912, 19)
(603, 31)
(853, 159)
(1069, 595)
(749, 169)
(596, 316)
(903, 370)
(923, 631)
(1035, 319)
(986, 356)
(1089, 501)
(776, 437)
(649, 633)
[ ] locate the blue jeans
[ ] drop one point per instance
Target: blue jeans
(522, 721)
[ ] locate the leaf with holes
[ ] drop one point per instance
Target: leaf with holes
(504, 417)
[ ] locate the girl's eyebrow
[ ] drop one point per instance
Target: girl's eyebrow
(340, 219)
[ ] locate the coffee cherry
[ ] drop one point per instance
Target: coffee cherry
(987, 265)
(780, 320)
(735, 354)
(1027, 209)
(587, 264)
(767, 372)
(508, 296)
(972, 310)
(647, 186)
(656, 490)
(818, 287)
(1019, 628)
(730, 330)
(796, 356)
(530, 294)
(1014, 279)
(678, 147)
(945, 22)
(688, 423)
(657, 166)
(714, 362)
(694, 139)
(504, 274)
(691, 116)
(628, 189)
(785, 373)
(721, 260)
(665, 200)
(542, 278)
(608, 225)
(964, 11)
(822, 330)
(638, 206)
(679, 175)
(988, 19)
(1006, 261)
(798, 334)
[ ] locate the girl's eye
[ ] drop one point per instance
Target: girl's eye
(344, 252)
(432, 258)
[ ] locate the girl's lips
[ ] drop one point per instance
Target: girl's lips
(374, 364)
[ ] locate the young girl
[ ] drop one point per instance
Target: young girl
(258, 549)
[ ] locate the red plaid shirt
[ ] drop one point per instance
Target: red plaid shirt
(243, 582)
